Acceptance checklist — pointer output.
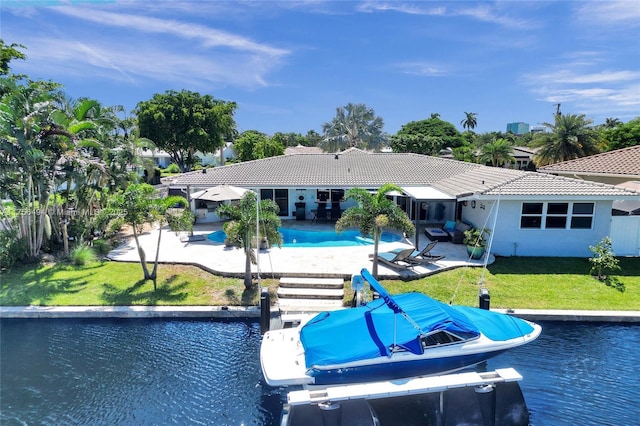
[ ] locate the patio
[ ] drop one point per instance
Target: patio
(277, 262)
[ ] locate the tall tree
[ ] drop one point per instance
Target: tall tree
(9, 53)
(243, 227)
(470, 121)
(426, 136)
(254, 145)
(497, 153)
(354, 125)
(610, 123)
(623, 135)
(571, 137)
(182, 123)
(373, 214)
(140, 205)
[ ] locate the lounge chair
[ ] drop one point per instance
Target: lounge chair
(397, 259)
(424, 256)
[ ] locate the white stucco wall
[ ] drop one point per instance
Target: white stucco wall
(510, 240)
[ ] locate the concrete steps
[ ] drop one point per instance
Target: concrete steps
(306, 294)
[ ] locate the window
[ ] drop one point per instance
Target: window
(557, 215)
(280, 196)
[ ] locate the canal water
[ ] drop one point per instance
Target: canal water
(157, 372)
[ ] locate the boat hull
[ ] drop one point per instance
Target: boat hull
(397, 370)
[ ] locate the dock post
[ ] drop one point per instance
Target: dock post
(484, 298)
(265, 310)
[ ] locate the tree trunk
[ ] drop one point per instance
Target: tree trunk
(248, 283)
(141, 253)
(376, 241)
(65, 236)
(154, 274)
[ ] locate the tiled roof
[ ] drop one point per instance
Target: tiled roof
(542, 184)
(347, 169)
(621, 162)
(356, 168)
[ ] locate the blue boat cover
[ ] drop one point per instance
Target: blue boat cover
(370, 331)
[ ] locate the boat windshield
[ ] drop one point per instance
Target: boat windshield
(438, 338)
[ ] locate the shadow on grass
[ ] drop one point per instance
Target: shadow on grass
(142, 293)
(615, 283)
(556, 266)
(34, 285)
(540, 265)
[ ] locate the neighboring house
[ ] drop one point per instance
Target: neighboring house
(621, 168)
(523, 155)
(530, 214)
(613, 167)
(301, 149)
(162, 159)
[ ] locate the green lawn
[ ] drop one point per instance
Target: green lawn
(531, 283)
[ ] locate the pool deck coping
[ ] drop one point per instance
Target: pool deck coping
(248, 312)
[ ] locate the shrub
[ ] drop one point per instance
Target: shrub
(115, 225)
(603, 259)
(82, 255)
(172, 168)
(12, 249)
(101, 247)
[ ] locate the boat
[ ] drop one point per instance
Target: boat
(391, 337)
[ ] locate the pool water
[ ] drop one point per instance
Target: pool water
(308, 238)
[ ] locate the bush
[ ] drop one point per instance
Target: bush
(82, 255)
(173, 168)
(101, 247)
(12, 249)
(115, 225)
(603, 260)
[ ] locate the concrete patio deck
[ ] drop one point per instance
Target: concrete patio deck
(277, 262)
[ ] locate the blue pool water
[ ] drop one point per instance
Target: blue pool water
(310, 238)
(151, 372)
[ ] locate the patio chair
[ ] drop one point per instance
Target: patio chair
(335, 211)
(321, 213)
(424, 256)
(397, 259)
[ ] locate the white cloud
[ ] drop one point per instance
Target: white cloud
(423, 69)
(209, 37)
(609, 13)
(410, 9)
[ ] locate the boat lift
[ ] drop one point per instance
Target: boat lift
(306, 405)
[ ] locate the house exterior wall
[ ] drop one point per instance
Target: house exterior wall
(509, 239)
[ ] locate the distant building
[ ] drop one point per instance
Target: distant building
(519, 128)
(538, 129)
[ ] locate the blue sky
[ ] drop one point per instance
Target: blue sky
(288, 65)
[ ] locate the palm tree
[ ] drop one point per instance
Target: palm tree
(610, 123)
(29, 150)
(242, 228)
(571, 137)
(139, 205)
(498, 153)
(355, 125)
(373, 213)
(470, 121)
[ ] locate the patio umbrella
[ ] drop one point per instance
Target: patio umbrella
(220, 193)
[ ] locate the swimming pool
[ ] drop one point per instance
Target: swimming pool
(308, 238)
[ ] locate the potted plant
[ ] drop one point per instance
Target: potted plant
(474, 239)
